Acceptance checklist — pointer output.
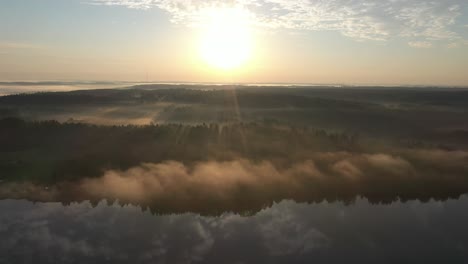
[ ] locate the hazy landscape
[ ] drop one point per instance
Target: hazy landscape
(245, 162)
(211, 149)
(233, 131)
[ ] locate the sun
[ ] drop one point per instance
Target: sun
(226, 40)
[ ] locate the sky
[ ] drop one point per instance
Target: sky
(395, 42)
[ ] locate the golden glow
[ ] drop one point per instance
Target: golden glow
(226, 41)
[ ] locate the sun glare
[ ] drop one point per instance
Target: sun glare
(226, 40)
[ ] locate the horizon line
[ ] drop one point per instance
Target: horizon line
(273, 84)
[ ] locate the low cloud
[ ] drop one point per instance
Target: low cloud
(243, 185)
(241, 182)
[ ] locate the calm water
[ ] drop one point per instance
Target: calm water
(287, 232)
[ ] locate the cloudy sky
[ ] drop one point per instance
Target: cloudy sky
(261, 41)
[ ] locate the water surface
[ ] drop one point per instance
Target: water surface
(287, 232)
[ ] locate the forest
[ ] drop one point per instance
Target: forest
(209, 150)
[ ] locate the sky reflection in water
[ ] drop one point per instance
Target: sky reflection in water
(287, 232)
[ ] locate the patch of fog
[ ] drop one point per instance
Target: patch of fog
(177, 186)
(112, 115)
(224, 181)
(25, 89)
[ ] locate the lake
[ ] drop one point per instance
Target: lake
(287, 232)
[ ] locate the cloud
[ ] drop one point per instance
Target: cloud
(456, 44)
(135, 4)
(286, 233)
(358, 19)
(420, 44)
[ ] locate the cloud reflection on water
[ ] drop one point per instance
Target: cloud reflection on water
(287, 232)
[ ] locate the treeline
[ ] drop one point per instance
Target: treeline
(244, 205)
(245, 98)
(53, 151)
